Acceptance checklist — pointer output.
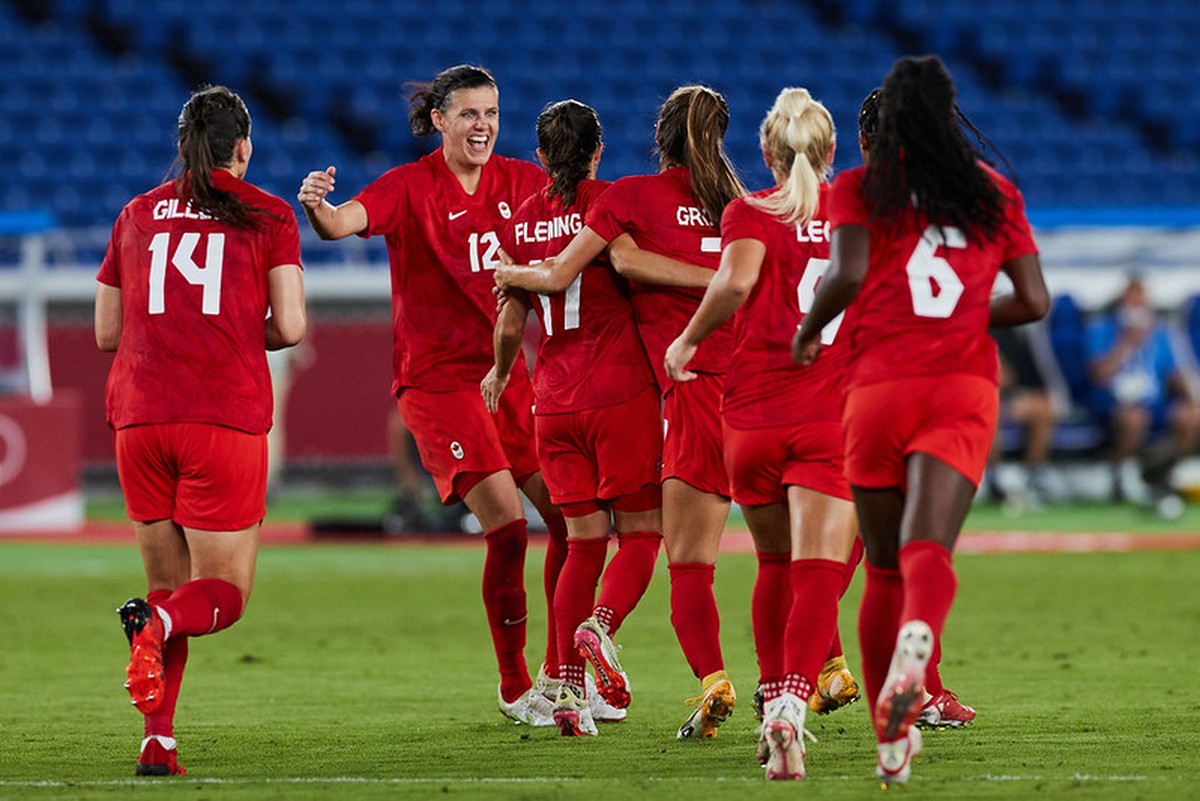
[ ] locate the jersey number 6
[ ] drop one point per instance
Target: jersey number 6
(934, 285)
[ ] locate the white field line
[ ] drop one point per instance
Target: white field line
(417, 780)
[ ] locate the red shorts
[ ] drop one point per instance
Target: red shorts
(693, 449)
(456, 435)
(199, 475)
(763, 462)
(949, 417)
(601, 455)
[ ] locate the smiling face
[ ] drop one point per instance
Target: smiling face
(469, 126)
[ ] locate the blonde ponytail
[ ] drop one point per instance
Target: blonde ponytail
(797, 135)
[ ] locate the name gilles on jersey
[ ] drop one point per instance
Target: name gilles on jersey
(173, 209)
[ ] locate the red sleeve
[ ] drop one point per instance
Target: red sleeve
(285, 242)
(607, 216)
(847, 206)
(385, 202)
(110, 272)
(741, 220)
(1020, 241)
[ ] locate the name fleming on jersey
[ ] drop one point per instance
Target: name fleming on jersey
(548, 230)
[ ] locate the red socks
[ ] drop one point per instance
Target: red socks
(574, 599)
(878, 624)
(627, 576)
(856, 555)
(695, 617)
(504, 601)
(175, 653)
(202, 606)
(816, 584)
(556, 557)
(929, 588)
(770, 607)
(929, 583)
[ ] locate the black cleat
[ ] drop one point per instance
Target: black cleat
(134, 613)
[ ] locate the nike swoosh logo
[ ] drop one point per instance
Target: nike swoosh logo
(516, 622)
(454, 215)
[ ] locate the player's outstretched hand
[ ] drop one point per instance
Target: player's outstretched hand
(315, 186)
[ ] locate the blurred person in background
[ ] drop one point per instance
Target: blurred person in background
(919, 236)
(1140, 391)
(782, 425)
(597, 413)
(441, 216)
(193, 269)
(673, 213)
(1026, 402)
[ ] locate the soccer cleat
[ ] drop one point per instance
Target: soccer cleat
(782, 738)
(602, 711)
(531, 708)
(595, 646)
(836, 687)
(945, 711)
(903, 692)
(713, 707)
(546, 686)
(144, 677)
(158, 757)
(895, 758)
(756, 703)
(572, 714)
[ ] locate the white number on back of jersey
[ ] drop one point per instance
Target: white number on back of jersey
(490, 244)
(208, 276)
(934, 285)
(806, 291)
(571, 299)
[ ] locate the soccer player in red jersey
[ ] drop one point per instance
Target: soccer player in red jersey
(942, 709)
(597, 413)
(192, 270)
(919, 236)
(441, 216)
(673, 214)
(782, 422)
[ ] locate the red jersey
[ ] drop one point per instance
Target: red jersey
(443, 244)
(664, 217)
(764, 388)
(923, 308)
(194, 299)
(590, 355)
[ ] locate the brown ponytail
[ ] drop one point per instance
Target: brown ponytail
(210, 125)
(691, 131)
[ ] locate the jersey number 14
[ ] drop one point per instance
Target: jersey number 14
(183, 259)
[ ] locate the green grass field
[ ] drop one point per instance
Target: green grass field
(365, 671)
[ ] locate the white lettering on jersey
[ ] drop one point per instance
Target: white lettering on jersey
(690, 215)
(169, 209)
(813, 231)
(547, 230)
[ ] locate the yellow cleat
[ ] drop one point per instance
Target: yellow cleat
(836, 687)
(713, 707)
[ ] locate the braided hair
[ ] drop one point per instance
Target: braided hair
(690, 133)
(920, 157)
(568, 134)
(210, 125)
(438, 93)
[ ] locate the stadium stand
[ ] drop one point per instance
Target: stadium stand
(1093, 104)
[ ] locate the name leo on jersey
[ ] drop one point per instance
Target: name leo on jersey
(548, 230)
(172, 209)
(813, 231)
